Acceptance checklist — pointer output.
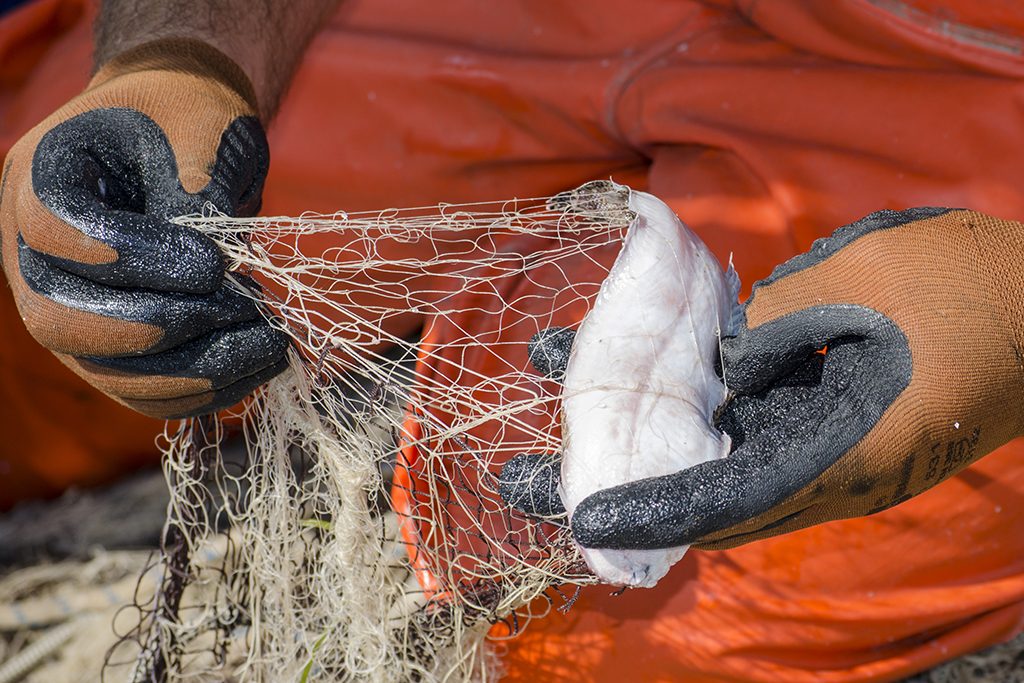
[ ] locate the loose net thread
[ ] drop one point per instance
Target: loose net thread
(365, 536)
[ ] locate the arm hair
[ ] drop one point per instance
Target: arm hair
(265, 37)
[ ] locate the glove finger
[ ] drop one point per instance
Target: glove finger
(677, 509)
(216, 364)
(237, 176)
(529, 482)
(759, 357)
(216, 360)
(549, 350)
(72, 315)
(105, 184)
(206, 402)
(793, 432)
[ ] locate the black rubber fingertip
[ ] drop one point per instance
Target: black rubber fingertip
(199, 266)
(529, 482)
(549, 350)
(594, 522)
(230, 395)
(273, 341)
(646, 514)
(238, 174)
(281, 341)
(221, 356)
(748, 365)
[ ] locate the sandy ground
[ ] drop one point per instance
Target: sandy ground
(69, 568)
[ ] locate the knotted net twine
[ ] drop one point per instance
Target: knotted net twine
(366, 539)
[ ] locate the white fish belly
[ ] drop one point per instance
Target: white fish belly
(640, 387)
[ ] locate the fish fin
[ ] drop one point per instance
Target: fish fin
(736, 317)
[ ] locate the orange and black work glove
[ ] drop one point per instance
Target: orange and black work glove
(870, 369)
(137, 305)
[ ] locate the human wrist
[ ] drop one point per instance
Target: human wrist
(264, 38)
(185, 55)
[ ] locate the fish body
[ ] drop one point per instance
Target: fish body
(640, 387)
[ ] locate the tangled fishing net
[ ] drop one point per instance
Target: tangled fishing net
(366, 539)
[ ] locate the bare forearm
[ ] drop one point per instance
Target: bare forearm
(264, 37)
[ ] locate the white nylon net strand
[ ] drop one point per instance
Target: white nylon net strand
(365, 536)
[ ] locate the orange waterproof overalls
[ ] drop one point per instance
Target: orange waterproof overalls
(765, 125)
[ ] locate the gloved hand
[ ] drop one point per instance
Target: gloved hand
(136, 305)
(920, 314)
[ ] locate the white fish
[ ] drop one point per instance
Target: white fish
(640, 387)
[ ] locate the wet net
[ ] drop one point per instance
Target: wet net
(362, 533)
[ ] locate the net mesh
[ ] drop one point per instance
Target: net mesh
(365, 537)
